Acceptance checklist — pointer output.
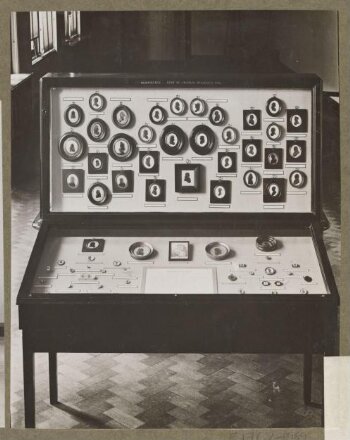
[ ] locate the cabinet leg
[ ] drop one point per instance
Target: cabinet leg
(29, 386)
(53, 378)
(307, 377)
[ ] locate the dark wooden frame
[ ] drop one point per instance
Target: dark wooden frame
(250, 323)
(179, 259)
(196, 187)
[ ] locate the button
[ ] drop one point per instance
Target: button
(97, 130)
(198, 107)
(270, 271)
(251, 273)
(98, 194)
(178, 106)
(242, 265)
(71, 270)
(307, 278)
(146, 134)
(74, 115)
(266, 283)
(251, 179)
(97, 102)
(48, 268)
(295, 265)
(298, 179)
(202, 140)
(232, 277)
(122, 147)
(173, 140)
(241, 291)
(61, 262)
(72, 147)
(251, 120)
(158, 115)
(278, 283)
(274, 292)
(229, 135)
(217, 116)
(117, 263)
(123, 117)
(274, 106)
(274, 132)
(91, 258)
(304, 291)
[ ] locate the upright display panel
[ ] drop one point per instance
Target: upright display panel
(175, 149)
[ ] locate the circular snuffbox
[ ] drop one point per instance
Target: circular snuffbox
(217, 250)
(141, 250)
(266, 243)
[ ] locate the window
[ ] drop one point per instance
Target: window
(43, 33)
(71, 25)
(14, 44)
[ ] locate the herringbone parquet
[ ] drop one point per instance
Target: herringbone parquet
(172, 391)
(157, 390)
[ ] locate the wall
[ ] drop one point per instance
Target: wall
(1, 234)
(304, 41)
(308, 42)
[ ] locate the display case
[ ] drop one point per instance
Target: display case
(179, 214)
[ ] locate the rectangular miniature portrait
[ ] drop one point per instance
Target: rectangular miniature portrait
(187, 178)
(179, 250)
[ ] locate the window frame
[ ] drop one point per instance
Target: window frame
(43, 24)
(69, 39)
(15, 64)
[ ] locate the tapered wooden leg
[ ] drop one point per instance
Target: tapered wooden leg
(29, 386)
(53, 378)
(307, 377)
